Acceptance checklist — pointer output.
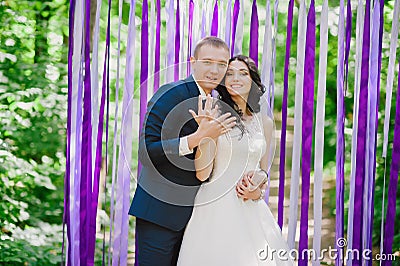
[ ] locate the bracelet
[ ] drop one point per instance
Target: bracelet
(266, 178)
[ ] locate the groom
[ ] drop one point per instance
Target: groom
(167, 184)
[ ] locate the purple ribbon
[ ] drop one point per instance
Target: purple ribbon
(307, 129)
(86, 153)
(340, 144)
(348, 39)
(190, 36)
(158, 45)
(144, 56)
(177, 43)
(361, 138)
(67, 177)
(214, 25)
(253, 49)
(393, 183)
(236, 9)
(95, 193)
(281, 193)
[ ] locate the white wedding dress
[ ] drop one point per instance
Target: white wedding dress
(224, 229)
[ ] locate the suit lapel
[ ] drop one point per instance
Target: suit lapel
(192, 86)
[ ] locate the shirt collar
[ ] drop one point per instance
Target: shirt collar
(202, 92)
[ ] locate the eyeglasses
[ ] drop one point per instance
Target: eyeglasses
(210, 63)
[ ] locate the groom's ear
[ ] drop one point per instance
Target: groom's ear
(192, 60)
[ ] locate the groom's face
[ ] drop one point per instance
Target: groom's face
(209, 66)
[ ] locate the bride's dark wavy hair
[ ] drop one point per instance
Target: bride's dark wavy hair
(256, 91)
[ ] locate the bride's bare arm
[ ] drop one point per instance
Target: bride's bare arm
(268, 126)
(204, 158)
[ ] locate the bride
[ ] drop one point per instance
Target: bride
(231, 224)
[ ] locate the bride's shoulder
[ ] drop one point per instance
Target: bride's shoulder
(267, 123)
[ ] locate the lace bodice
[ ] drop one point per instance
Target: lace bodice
(239, 151)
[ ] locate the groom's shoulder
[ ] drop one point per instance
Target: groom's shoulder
(177, 89)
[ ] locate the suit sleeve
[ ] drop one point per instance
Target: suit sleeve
(153, 145)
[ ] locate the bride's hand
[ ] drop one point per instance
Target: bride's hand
(243, 188)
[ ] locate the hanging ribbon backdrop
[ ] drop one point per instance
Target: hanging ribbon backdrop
(186, 22)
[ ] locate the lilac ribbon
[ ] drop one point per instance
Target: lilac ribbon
(95, 193)
(203, 20)
(214, 24)
(340, 144)
(120, 249)
(393, 183)
(253, 49)
(177, 45)
(307, 129)
(236, 9)
(75, 256)
(361, 138)
(190, 36)
(281, 195)
(67, 176)
(228, 23)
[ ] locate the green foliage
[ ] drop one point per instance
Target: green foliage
(32, 130)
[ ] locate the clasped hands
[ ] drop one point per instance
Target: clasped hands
(211, 123)
(252, 185)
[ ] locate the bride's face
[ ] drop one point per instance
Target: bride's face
(237, 80)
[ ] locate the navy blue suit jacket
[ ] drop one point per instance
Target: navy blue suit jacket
(167, 184)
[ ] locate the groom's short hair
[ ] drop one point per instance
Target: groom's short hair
(212, 41)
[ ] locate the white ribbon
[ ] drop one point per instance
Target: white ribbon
(267, 51)
(115, 143)
(359, 41)
(152, 27)
(274, 54)
(390, 76)
(298, 107)
(319, 132)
